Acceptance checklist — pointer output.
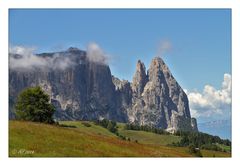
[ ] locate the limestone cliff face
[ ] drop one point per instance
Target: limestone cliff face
(123, 92)
(81, 91)
(86, 90)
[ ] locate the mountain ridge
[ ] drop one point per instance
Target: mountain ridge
(82, 89)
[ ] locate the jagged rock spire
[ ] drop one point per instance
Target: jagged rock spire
(162, 102)
(139, 80)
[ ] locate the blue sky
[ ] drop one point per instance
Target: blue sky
(200, 40)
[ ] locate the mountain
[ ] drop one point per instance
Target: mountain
(221, 128)
(158, 99)
(83, 88)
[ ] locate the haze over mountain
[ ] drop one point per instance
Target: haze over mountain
(82, 87)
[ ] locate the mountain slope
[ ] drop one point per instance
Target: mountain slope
(35, 139)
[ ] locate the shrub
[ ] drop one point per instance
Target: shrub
(122, 137)
(86, 124)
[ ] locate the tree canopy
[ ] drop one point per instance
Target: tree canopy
(33, 104)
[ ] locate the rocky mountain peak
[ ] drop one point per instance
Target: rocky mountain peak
(140, 66)
(139, 80)
(162, 102)
(156, 62)
(156, 69)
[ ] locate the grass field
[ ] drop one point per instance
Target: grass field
(149, 138)
(226, 148)
(41, 140)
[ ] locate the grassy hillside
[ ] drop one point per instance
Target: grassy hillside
(226, 148)
(147, 137)
(42, 140)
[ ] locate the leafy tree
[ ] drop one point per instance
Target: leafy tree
(33, 105)
(104, 123)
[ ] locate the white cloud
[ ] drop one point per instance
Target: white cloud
(212, 102)
(96, 54)
(26, 58)
(22, 50)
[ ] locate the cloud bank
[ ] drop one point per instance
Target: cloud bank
(25, 58)
(211, 102)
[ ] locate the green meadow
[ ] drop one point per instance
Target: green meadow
(85, 139)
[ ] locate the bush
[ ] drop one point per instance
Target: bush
(122, 137)
(34, 105)
(86, 124)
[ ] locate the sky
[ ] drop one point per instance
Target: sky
(194, 43)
